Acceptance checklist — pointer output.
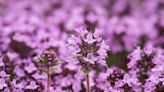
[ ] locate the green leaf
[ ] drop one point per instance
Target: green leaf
(55, 63)
(43, 61)
(44, 70)
(87, 70)
(52, 69)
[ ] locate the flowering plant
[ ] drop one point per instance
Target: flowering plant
(63, 46)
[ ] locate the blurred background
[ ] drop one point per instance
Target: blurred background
(27, 27)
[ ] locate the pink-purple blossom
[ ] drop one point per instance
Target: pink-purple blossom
(120, 41)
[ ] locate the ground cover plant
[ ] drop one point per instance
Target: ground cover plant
(81, 46)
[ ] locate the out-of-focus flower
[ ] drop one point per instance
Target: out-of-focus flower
(148, 68)
(48, 56)
(30, 68)
(32, 85)
(3, 83)
(3, 74)
(1, 62)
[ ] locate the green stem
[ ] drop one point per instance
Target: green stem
(48, 79)
(88, 83)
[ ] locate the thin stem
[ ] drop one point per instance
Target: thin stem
(48, 79)
(88, 84)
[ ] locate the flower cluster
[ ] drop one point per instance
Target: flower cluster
(88, 47)
(48, 58)
(147, 63)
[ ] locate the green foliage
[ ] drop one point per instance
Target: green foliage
(87, 70)
(118, 59)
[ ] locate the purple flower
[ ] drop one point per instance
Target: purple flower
(89, 38)
(3, 74)
(87, 47)
(29, 26)
(32, 85)
(3, 83)
(30, 68)
(1, 62)
(148, 67)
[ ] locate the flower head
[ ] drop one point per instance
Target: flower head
(90, 47)
(48, 57)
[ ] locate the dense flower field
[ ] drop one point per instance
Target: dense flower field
(81, 45)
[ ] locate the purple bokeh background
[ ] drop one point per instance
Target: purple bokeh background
(133, 29)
